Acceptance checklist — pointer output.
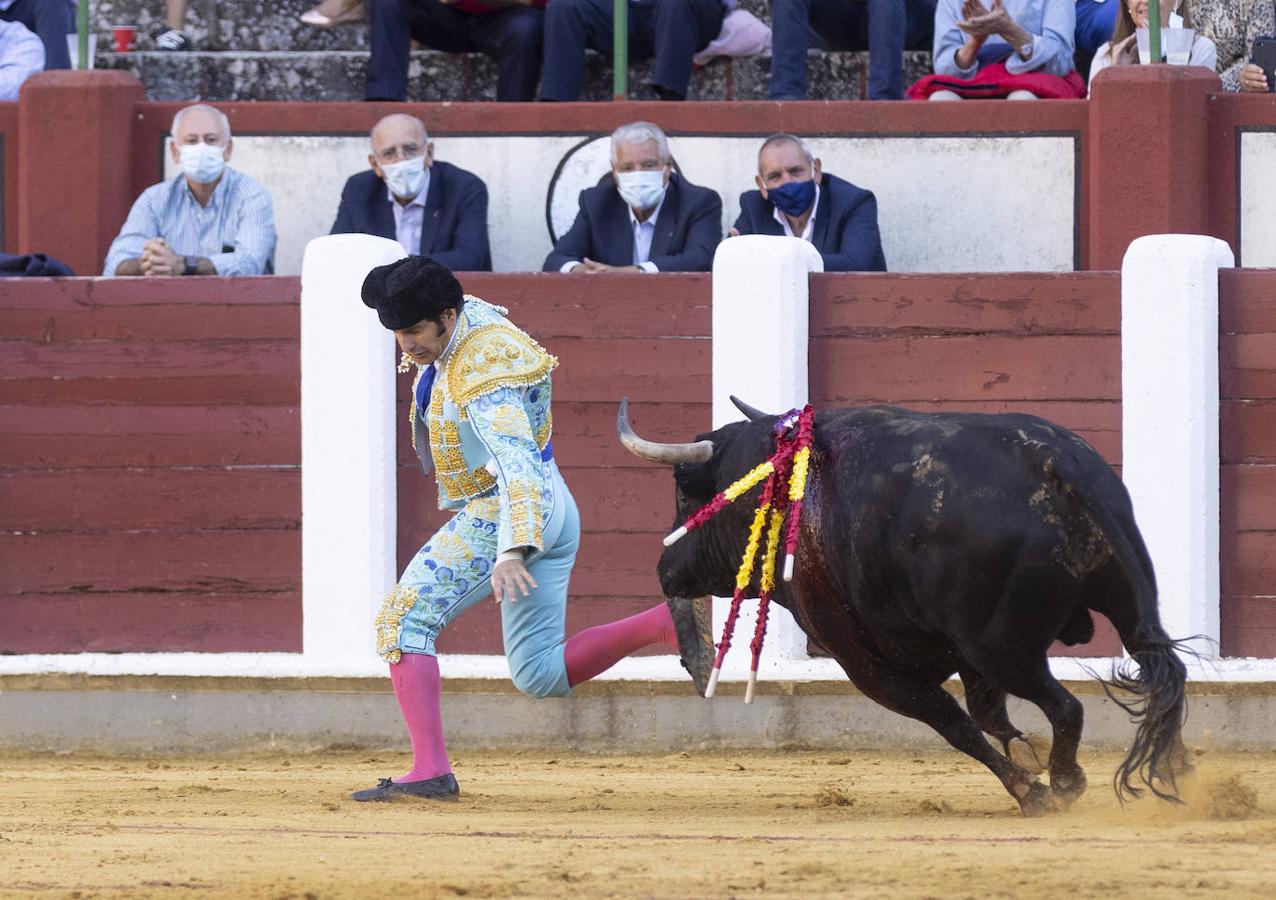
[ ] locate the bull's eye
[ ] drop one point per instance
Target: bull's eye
(686, 506)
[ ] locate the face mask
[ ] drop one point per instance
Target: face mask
(793, 198)
(641, 190)
(406, 176)
(202, 163)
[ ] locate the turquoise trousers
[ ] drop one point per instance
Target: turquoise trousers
(453, 571)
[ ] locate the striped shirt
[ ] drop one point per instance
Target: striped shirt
(21, 55)
(235, 231)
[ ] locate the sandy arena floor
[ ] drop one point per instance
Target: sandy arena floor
(794, 824)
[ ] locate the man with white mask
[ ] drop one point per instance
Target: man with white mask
(643, 216)
(209, 219)
(432, 208)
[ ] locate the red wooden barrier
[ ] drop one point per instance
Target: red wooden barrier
(1247, 400)
(150, 493)
(149, 483)
(1040, 344)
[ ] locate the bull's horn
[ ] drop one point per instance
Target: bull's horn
(749, 412)
(667, 454)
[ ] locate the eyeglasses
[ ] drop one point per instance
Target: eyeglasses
(403, 151)
(642, 165)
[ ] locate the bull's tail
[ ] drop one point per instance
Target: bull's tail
(1157, 702)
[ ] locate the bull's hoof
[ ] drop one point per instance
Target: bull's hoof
(1031, 752)
(1067, 788)
(1037, 801)
(693, 623)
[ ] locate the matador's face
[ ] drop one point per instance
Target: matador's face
(425, 341)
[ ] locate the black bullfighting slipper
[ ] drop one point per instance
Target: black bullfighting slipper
(444, 787)
(693, 623)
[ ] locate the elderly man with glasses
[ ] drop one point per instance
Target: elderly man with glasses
(432, 208)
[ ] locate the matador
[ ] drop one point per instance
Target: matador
(482, 423)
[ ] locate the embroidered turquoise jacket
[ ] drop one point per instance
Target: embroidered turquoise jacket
(488, 422)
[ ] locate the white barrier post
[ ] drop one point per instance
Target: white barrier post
(760, 337)
(347, 448)
(1169, 420)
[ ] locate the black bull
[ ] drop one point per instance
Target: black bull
(935, 544)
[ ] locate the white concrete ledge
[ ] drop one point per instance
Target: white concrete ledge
(461, 666)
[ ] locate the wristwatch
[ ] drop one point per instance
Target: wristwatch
(192, 265)
(1025, 51)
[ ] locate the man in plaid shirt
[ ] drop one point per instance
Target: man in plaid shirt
(208, 220)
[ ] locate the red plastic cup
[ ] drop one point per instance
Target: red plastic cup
(124, 35)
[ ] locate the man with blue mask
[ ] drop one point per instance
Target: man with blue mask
(209, 219)
(431, 207)
(795, 198)
(643, 216)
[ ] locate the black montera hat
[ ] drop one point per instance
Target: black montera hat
(411, 290)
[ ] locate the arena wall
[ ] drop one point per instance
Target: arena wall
(151, 450)
(1242, 156)
(8, 173)
(150, 429)
(1247, 370)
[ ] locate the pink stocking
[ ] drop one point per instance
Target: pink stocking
(597, 649)
(416, 686)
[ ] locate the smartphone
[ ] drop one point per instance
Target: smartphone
(1264, 56)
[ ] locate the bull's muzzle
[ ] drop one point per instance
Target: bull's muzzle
(665, 454)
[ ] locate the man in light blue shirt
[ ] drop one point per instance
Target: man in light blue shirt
(21, 56)
(208, 220)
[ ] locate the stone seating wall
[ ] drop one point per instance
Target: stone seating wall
(254, 50)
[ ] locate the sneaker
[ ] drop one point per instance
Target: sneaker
(173, 40)
(443, 787)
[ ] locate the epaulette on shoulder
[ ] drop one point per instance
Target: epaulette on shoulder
(493, 356)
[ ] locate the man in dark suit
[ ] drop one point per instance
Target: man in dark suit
(432, 208)
(644, 217)
(795, 198)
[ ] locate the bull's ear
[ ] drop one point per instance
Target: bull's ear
(749, 412)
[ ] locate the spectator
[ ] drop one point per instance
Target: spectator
(509, 31)
(1233, 25)
(21, 56)
(174, 37)
(882, 27)
(208, 220)
(432, 208)
(1018, 49)
(1123, 51)
(646, 217)
(1095, 21)
(50, 20)
(670, 30)
(795, 197)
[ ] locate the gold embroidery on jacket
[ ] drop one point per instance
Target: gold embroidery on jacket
(493, 356)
